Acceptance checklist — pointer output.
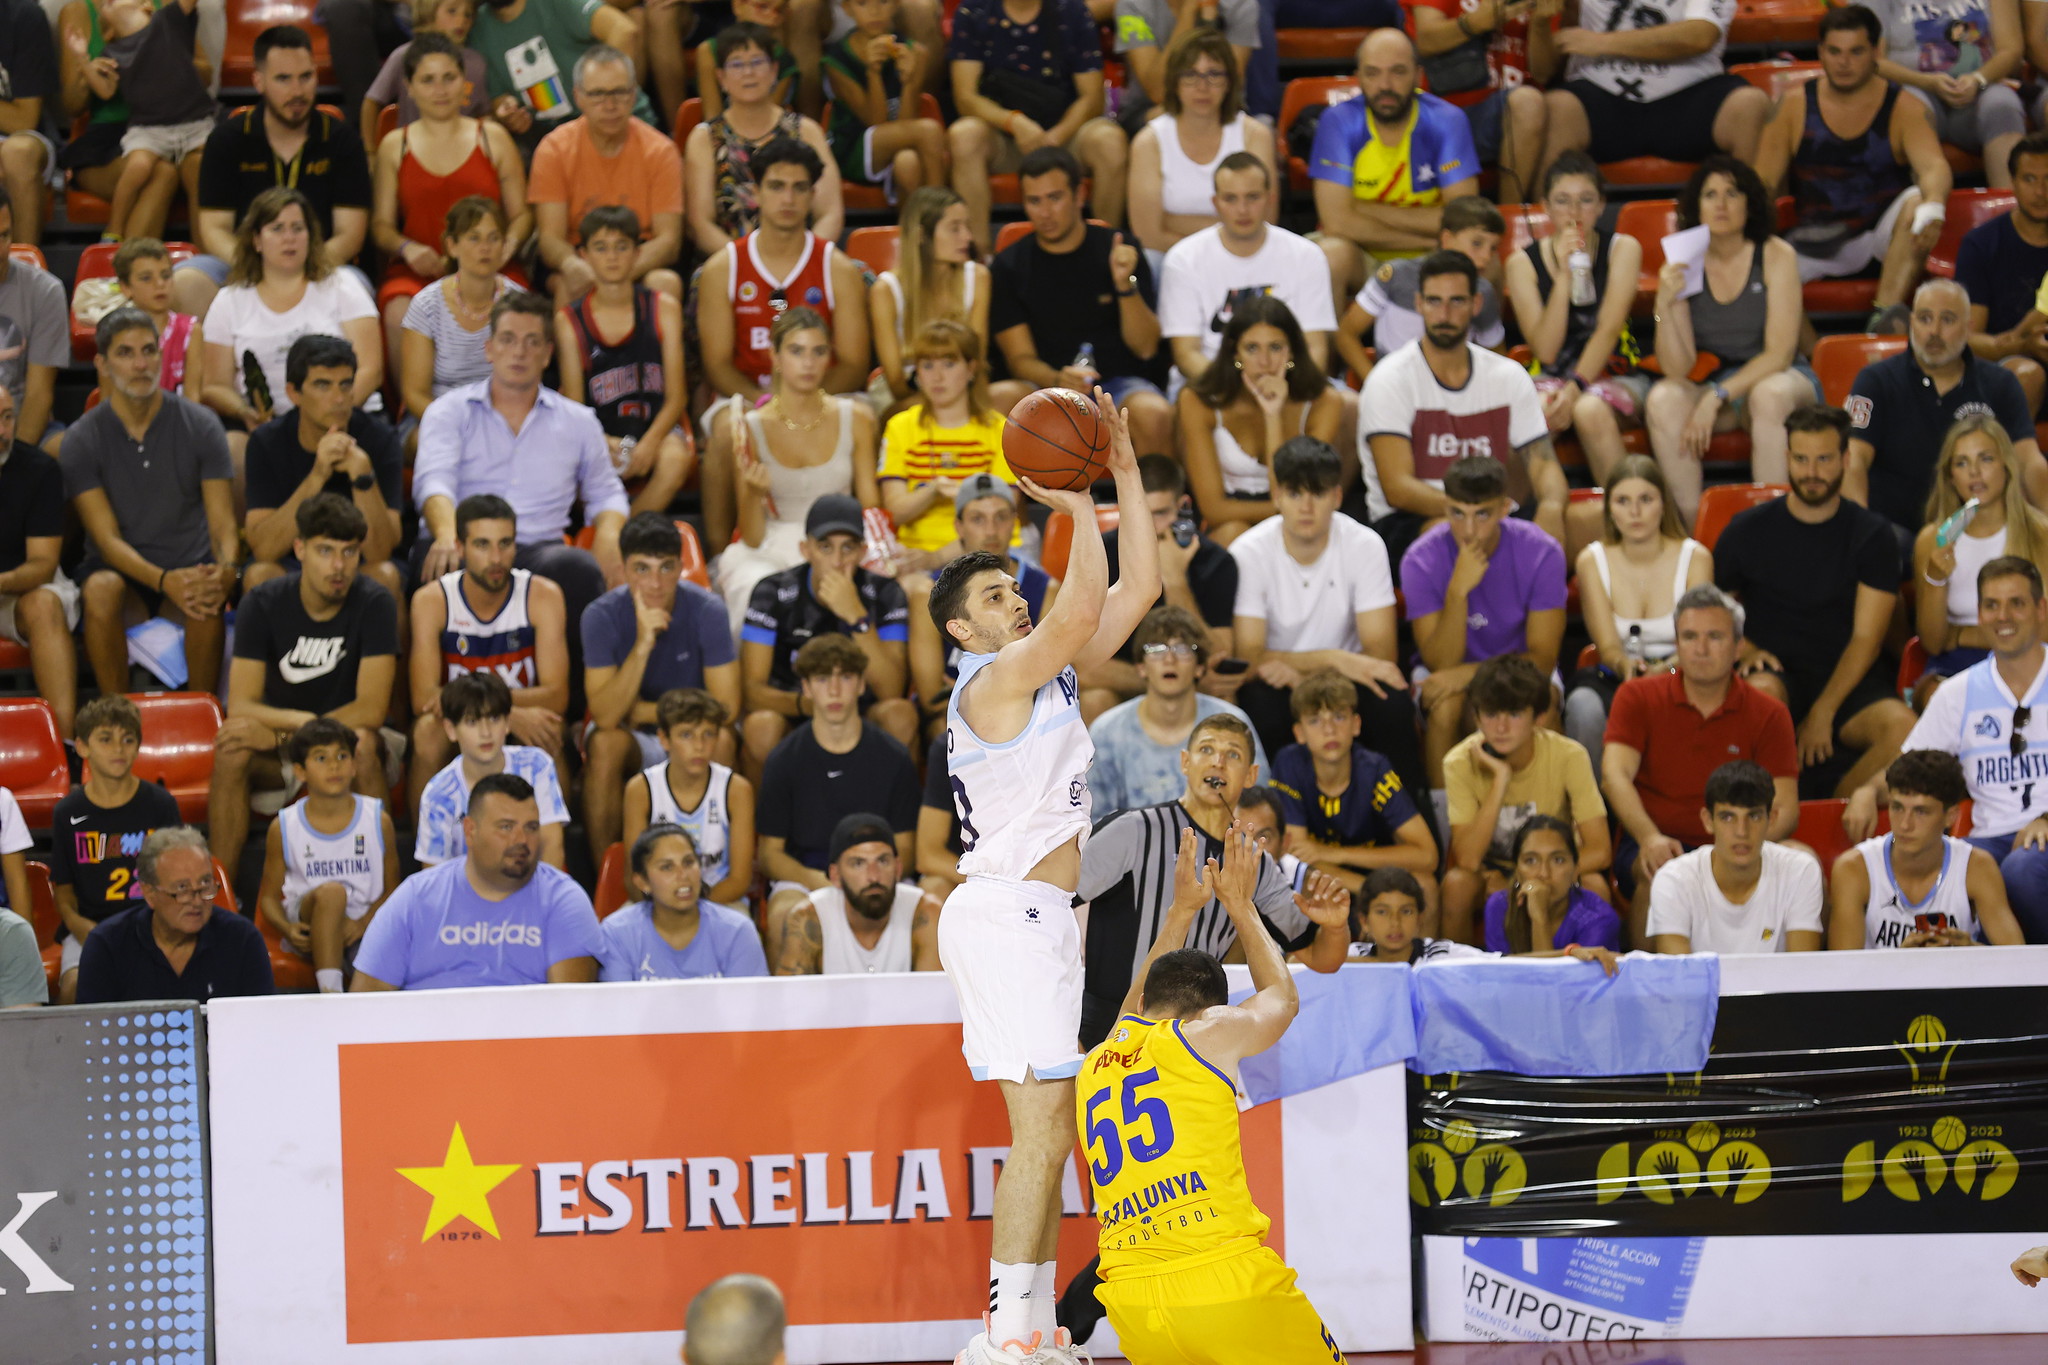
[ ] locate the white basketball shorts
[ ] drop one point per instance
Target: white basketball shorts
(1013, 952)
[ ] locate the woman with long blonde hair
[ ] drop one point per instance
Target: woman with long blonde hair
(1630, 581)
(936, 276)
(1977, 461)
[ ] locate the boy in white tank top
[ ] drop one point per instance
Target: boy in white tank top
(1017, 759)
(331, 858)
(1919, 886)
(868, 920)
(690, 789)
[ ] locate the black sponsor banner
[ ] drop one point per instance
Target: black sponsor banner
(1850, 1112)
(103, 1226)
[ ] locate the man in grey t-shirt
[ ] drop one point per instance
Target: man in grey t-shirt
(149, 475)
(1145, 28)
(35, 334)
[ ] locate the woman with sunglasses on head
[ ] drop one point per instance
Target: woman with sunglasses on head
(801, 445)
(1238, 413)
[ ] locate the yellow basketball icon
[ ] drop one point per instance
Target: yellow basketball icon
(1703, 1136)
(1949, 1133)
(1461, 1136)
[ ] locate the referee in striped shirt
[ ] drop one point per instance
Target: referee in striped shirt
(1127, 879)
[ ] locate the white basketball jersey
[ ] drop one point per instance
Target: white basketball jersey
(354, 857)
(843, 955)
(503, 644)
(1020, 800)
(710, 824)
(1888, 916)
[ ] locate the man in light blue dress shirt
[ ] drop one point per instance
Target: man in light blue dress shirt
(511, 436)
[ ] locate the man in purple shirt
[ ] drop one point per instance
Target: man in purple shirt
(539, 451)
(496, 917)
(1479, 584)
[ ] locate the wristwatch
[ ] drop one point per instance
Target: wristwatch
(364, 482)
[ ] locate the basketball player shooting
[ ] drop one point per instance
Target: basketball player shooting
(1187, 1277)
(1017, 755)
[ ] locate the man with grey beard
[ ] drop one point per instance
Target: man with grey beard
(869, 919)
(1900, 411)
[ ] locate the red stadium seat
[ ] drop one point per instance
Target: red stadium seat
(288, 971)
(1319, 44)
(873, 247)
(42, 915)
(13, 657)
(27, 255)
(1299, 95)
(251, 17)
(689, 114)
(1647, 172)
(1719, 504)
(1839, 359)
(387, 122)
(1775, 78)
(611, 881)
(1012, 233)
(1059, 537)
(694, 567)
(1649, 221)
(32, 762)
(1912, 665)
(96, 262)
(177, 746)
(1820, 829)
(1589, 657)
(1777, 23)
(1966, 209)
(1839, 296)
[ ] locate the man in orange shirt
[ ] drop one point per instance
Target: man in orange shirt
(607, 157)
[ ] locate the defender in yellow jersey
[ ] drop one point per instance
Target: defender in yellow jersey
(1187, 1277)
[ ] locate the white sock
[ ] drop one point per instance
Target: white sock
(1441, 799)
(329, 980)
(1009, 1302)
(1045, 1298)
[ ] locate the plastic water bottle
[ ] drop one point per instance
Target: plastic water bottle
(1084, 359)
(1581, 267)
(1633, 647)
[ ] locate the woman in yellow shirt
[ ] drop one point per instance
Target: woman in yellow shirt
(948, 436)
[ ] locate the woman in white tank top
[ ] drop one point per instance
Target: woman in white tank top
(1264, 388)
(803, 444)
(1977, 461)
(936, 276)
(1630, 581)
(1174, 157)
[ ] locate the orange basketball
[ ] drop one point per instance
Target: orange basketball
(1056, 439)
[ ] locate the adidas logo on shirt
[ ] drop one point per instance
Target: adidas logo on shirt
(503, 933)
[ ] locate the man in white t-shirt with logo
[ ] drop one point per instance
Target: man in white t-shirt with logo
(1742, 893)
(1646, 79)
(1441, 398)
(1242, 255)
(1994, 717)
(1314, 590)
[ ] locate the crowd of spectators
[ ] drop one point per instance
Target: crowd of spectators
(419, 411)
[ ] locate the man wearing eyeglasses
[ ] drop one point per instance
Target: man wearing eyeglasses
(1138, 743)
(607, 157)
(1994, 717)
(178, 944)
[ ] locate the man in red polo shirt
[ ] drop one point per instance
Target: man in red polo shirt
(1666, 734)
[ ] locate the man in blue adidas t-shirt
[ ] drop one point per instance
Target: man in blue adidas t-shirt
(497, 917)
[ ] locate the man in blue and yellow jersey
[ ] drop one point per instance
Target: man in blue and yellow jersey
(1384, 165)
(1187, 1277)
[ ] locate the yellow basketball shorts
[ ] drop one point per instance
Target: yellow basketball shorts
(1227, 1312)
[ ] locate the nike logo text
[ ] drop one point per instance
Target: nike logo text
(310, 658)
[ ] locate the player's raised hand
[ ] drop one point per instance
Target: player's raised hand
(2031, 1267)
(1192, 881)
(1074, 502)
(1324, 900)
(1123, 459)
(1240, 878)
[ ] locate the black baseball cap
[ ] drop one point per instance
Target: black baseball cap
(858, 829)
(835, 512)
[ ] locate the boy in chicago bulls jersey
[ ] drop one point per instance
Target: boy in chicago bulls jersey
(1441, 398)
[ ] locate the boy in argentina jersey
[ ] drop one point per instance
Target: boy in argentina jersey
(1187, 1277)
(1918, 886)
(1017, 757)
(1993, 716)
